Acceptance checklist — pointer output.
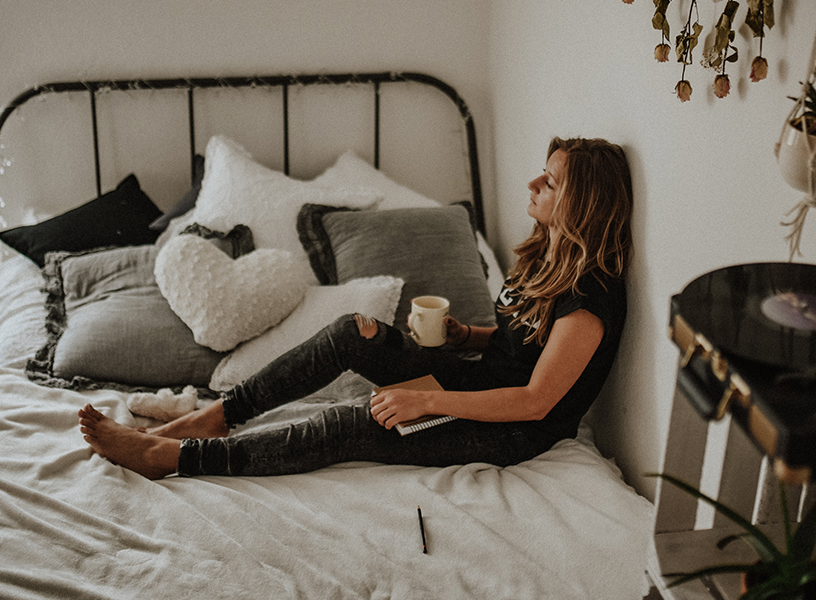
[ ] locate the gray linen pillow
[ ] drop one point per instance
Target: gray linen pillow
(110, 327)
(434, 250)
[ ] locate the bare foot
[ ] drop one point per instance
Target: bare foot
(199, 424)
(148, 455)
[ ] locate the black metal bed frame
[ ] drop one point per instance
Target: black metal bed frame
(282, 81)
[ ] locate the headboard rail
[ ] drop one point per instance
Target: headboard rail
(375, 80)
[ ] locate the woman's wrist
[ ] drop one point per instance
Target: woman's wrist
(467, 337)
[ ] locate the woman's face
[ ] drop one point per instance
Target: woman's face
(544, 189)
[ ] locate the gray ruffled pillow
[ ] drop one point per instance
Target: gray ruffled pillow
(110, 327)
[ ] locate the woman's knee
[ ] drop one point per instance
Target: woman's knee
(358, 330)
(367, 326)
(356, 326)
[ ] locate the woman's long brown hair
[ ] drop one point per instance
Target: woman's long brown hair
(593, 235)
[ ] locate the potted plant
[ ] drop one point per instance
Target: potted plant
(796, 155)
(779, 574)
(806, 121)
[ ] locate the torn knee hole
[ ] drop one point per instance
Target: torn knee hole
(366, 325)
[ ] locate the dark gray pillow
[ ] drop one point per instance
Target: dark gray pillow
(187, 202)
(110, 327)
(434, 250)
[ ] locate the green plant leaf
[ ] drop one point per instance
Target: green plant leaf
(766, 549)
(764, 591)
(707, 572)
(730, 539)
(786, 520)
(810, 92)
(804, 540)
(809, 575)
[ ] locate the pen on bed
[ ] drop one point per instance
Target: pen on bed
(422, 531)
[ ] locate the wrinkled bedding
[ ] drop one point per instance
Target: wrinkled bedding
(563, 525)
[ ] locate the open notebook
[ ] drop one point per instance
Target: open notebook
(422, 383)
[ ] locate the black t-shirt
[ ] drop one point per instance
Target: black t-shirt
(508, 361)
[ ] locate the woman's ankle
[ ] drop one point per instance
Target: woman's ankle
(204, 423)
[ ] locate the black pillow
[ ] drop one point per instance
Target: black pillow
(187, 201)
(119, 218)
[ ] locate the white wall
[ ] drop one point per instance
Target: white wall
(42, 41)
(45, 40)
(707, 189)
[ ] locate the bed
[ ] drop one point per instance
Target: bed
(101, 301)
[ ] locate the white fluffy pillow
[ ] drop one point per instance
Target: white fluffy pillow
(22, 308)
(236, 189)
(350, 170)
(225, 301)
(376, 297)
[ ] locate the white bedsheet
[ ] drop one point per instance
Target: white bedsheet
(73, 525)
(562, 526)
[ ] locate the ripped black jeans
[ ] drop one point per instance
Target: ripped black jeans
(349, 433)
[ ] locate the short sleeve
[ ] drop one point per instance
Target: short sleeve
(601, 298)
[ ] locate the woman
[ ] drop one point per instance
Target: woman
(559, 322)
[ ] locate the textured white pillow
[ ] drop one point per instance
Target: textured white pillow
(376, 297)
(350, 170)
(225, 301)
(237, 190)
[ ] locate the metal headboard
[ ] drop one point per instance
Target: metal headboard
(281, 81)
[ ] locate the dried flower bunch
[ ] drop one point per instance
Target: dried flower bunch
(722, 51)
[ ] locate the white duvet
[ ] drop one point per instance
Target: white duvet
(72, 525)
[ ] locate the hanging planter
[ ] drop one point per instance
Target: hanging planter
(796, 155)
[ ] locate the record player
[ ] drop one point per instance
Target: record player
(747, 336)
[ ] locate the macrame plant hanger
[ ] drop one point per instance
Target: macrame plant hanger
(806, 182)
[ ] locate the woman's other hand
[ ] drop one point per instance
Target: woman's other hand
(457, 333)
(466, 337)
(390, 407)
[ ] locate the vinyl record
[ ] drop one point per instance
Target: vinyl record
(764, 312)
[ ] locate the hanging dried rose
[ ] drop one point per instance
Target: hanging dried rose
(722, 86)
(628, 1)
(759, 69)
(662, 52)
(683, 89)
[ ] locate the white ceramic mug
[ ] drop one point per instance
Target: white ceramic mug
(427, 320)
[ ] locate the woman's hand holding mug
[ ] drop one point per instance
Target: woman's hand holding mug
(457, 333)
(427, 320)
